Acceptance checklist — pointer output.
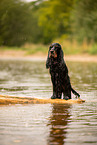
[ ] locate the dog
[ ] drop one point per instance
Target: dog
(59, 73)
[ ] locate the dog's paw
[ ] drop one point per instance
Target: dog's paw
(66, 98)
(53, 97)
(77, 97)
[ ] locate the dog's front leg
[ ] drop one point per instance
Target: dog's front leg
(56, 94)
(57, 91)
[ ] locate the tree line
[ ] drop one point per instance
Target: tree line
(43, 21)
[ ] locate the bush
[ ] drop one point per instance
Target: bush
(93, 49)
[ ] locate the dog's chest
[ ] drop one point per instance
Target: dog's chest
(54, 68)
(55, 72)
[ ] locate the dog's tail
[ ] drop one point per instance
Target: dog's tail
(75, 93)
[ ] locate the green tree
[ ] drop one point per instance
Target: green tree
(85, 20)
(15, 22)
(54, 18)
(36, 29)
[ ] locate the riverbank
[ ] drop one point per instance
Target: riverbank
(22, 54)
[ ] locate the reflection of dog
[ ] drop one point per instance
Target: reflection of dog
(59, 73)
(58, 123)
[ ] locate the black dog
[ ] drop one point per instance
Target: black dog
(59, 73)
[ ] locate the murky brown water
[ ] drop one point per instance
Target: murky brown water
(47, 124)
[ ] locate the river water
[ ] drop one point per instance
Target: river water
(47, 124)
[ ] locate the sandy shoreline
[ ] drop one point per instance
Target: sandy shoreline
(6, 100)
(14, 54)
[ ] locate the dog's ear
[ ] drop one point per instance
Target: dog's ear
(61, 54)
(48, 60)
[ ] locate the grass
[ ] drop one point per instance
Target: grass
(69, 48)
(29, 49)
(35, 48)
(93, 49)
(73, 47)
(4, 48)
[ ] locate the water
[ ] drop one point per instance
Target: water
(47, 124)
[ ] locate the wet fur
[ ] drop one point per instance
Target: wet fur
(59, 74)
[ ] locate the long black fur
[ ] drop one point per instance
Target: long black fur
(59, 74)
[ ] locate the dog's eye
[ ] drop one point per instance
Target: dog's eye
(51, 46)
(56, 47)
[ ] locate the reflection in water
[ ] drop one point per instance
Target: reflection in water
(58, 122)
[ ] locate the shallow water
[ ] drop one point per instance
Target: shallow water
(47, 124)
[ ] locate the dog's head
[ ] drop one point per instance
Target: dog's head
(55, 55)
(55, 50)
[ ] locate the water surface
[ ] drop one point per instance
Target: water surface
(47, 124)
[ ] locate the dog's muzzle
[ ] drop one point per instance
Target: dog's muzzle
(52, 53)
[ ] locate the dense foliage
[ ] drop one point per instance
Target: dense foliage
(42, 21)
(85, 20)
